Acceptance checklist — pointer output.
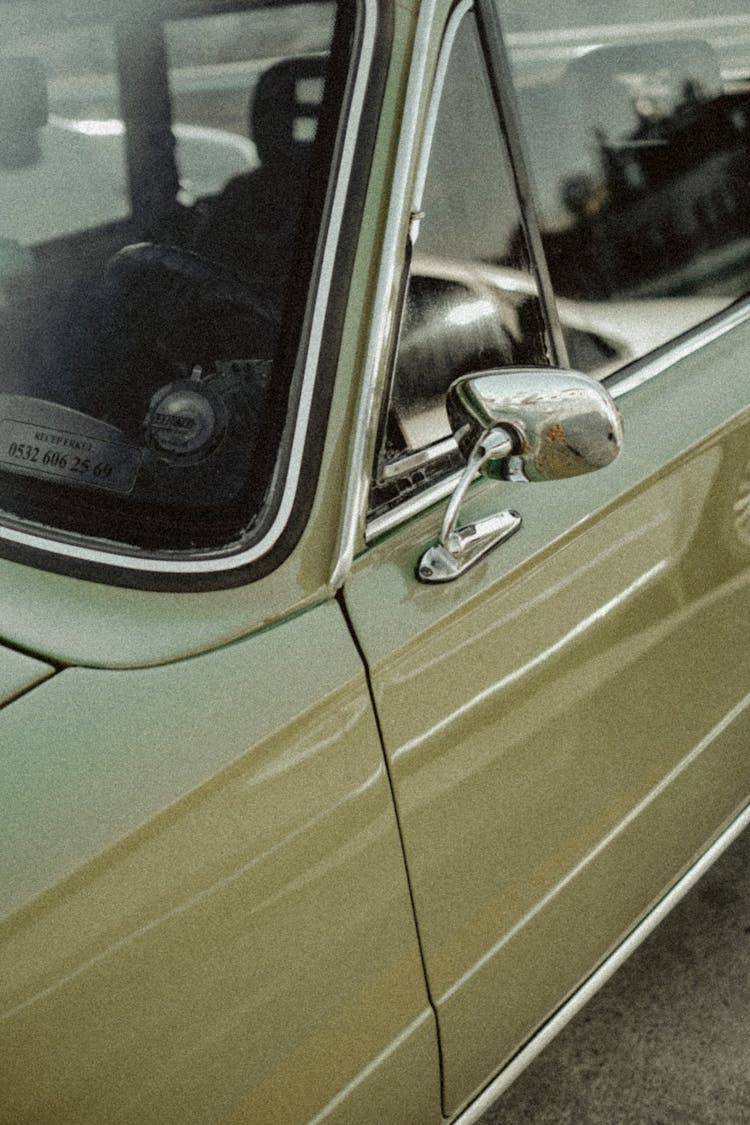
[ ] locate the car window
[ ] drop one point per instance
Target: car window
(162, 168)
(636, 122)
(471, 300)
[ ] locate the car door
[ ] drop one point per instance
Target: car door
(566, 723)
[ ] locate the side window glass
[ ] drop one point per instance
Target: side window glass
(471, 300)
(636, 122)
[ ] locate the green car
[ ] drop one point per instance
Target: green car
(354, 730)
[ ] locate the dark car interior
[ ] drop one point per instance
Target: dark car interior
(152, 338)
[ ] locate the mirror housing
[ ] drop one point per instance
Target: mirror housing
(561, 423)
(518, 424)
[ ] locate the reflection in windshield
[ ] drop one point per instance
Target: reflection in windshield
(662, 206)
(159, 176)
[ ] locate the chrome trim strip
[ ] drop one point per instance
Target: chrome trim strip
(218, 562)
(358, 480)
(640, 372)
(592, 985)
(418, 459)
(446, 47)
(411, 507)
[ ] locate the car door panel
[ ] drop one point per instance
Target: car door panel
(206, 911)
(566, 724)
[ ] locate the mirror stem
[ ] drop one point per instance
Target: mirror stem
(496, 445)
(459, 548)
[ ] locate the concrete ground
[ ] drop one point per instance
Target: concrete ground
(667, 1040)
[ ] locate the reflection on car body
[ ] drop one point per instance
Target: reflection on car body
(374, 477)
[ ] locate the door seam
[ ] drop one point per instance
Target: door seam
(341, 599)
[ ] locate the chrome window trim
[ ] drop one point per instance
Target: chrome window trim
(407, 509)
(358, 476)
(232, 559)
(600, 977)
(643, 370)
(418, 459)
(446, 49)
(619, 383)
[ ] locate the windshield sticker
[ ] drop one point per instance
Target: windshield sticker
(68, 456)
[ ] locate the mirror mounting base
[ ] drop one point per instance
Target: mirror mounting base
(448, 560)
(460, 547)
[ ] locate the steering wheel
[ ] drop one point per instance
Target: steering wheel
(173, 285)
(160, 313)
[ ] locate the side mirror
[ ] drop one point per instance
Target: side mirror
(518, 424)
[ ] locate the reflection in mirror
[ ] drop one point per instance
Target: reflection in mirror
(561, 423)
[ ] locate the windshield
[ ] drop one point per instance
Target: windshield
(163, 171)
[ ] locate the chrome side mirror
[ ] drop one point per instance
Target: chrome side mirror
(518, 424)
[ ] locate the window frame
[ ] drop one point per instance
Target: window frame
(301, 446)
(497, 72)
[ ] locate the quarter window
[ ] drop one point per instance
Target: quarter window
(471, 300)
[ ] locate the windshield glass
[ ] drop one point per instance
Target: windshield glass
(163, 172)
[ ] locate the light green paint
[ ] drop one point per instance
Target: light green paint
(19, 673)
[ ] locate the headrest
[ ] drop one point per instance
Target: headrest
(285, 109)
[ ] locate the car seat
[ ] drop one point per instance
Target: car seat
(253, 223)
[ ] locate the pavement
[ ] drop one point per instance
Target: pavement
(667, 1040)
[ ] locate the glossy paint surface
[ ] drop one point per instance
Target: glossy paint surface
(19, 673)
(567, 724)
(206, 914)
(205, 911)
